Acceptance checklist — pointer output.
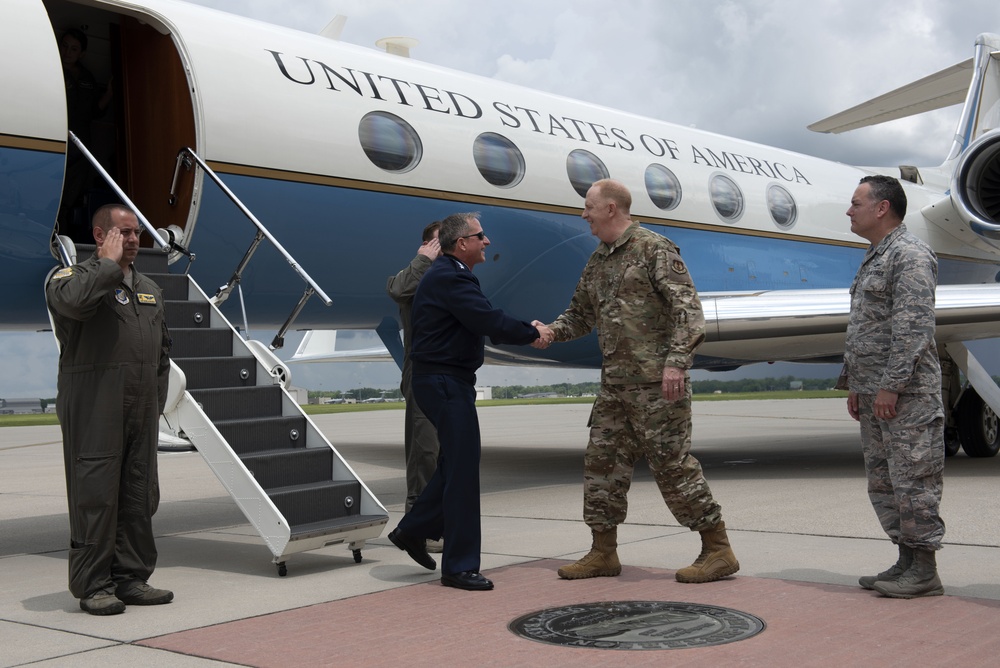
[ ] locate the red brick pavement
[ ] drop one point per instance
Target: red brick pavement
(808, 624)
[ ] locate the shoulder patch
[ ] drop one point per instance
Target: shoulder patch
(66, 272)
(678, 266)
(145, 298)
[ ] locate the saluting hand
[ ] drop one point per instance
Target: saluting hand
(430, 249)
(113, 245)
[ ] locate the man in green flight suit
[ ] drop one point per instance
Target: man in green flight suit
(113, 371)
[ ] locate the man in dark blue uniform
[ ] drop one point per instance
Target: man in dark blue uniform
(451, 318)
(113, 370)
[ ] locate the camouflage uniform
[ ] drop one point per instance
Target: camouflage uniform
(890, 346)
(639, 295)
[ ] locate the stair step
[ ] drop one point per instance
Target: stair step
(334, 526)
(284, 468)
(174, 286)
(188, 342)
(206, 372)
(151, 261)
(259, 434)
(187, 314)
(231, 403)
(317, 502)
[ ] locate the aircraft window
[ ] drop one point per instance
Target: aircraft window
(499, 161)
(584, 168)
(662, 187)
(782, 206)
(389, 141)
(727, 198)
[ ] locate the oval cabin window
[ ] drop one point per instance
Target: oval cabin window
(663, 187)
(583, 168)
(727, 198)
(389, 142)
(782, 206)
(498, 160)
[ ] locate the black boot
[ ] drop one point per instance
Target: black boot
(891, 573)
(920, 579)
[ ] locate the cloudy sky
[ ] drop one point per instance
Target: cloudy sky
(756, 69)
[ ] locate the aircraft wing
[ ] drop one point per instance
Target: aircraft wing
(939, 90)
(803, 325)
(320, 345)
(747, 327)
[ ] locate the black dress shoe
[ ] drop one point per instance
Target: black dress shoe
(471, 580)
(414, 547)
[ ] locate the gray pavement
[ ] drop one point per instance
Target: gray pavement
(788, 473)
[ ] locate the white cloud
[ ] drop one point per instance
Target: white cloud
(757, 69)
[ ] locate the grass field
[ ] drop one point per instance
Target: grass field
(50, 418)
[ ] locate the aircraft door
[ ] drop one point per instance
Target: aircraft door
(159, 122)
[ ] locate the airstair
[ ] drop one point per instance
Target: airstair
(227, 398)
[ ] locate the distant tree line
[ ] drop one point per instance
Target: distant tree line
(592, 388)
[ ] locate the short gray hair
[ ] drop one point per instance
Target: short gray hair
(453, 228)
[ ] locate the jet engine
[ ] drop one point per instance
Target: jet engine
(975, 186)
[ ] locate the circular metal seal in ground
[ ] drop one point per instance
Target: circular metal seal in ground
(637, 625)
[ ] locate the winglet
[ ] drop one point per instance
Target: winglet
(334, 28)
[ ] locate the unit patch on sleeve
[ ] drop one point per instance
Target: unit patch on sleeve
(66, 272)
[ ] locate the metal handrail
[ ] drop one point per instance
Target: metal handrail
(183, 159)
(157, 239)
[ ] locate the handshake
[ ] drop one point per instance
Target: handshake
(545, 335)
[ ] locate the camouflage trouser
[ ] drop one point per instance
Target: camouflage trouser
(632, 421)
(904, 458)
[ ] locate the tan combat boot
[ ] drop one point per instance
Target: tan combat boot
(601, 561)
(891, 573)
(920, 579)
(716, 559)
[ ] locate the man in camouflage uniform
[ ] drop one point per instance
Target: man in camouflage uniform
(637, 292)
(892, 371)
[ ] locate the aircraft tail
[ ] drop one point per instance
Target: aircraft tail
(974, 158)
(975, 81)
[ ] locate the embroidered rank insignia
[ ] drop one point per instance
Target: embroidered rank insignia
(678, 266)
(63, 273)
(145, 298)
(121, 296)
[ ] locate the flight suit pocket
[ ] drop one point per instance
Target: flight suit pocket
(94, 476)
(876, 287)
(96, 415)
(926, 456)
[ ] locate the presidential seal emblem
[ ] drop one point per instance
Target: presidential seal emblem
(637, 625)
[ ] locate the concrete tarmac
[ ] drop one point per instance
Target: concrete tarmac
(789, 475)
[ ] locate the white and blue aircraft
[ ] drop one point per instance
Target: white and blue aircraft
(343, 154)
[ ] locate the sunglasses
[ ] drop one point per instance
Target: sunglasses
(478, 235)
